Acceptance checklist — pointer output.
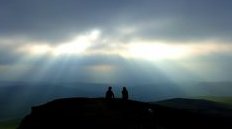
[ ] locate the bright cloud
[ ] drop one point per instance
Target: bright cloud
(77, 45)
(154, 51)
(94, 43)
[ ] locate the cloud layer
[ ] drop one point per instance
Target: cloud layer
(159, 19)
(110, 35)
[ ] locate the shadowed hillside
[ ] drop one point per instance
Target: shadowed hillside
(89, 113)
(198, 105)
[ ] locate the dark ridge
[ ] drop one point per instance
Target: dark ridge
(89, 113)
(195, 104)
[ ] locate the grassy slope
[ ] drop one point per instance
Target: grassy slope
(9, 124)
(226, 100)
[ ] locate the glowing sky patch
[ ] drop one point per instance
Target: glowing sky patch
(101, 68)
(76, 46)
(37, 49)
(157, 51)
(139, 49)
(79, 44)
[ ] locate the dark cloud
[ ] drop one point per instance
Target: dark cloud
(54, 19)
(59, 20)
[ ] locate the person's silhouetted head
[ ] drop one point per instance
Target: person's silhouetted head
(109, 93)
(125, 95)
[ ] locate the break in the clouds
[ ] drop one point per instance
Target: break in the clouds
(46, 37)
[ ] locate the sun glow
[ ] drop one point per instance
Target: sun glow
(101, 68)
(156, 51)
(77, 45)
(74, 47)
(35, 49)
(93, 43)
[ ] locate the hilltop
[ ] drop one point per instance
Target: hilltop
(86, 113)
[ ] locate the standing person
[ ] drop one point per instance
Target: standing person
(109, 93)
(124, 93)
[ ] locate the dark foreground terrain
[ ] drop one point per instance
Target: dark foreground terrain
(99, 113)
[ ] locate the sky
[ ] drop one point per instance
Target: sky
(116, 41)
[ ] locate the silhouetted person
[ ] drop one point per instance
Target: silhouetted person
(109, 93)
(124, 93)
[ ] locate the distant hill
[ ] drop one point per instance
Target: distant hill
(16, 98)
(89, 113)
(220, 99)
(198, 105)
